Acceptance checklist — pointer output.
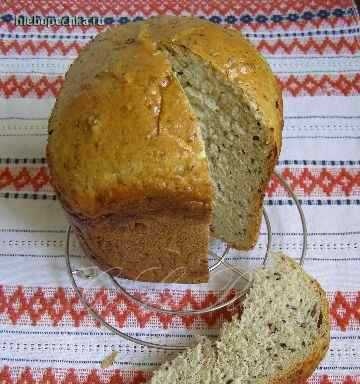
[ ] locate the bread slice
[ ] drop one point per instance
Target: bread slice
(282, 335)
(163, 127)
(240, 162)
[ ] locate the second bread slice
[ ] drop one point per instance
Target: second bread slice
(282, 336)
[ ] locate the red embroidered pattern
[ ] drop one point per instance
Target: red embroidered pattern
(15, 86)
(304, 181)
(307, 46)
(317, 182)
(300, 25)
(27, 86)
(342, 310)
(148, 7)
(39, 47)
(35, 179)
(334, 380)
(20, 375)
(56, 306)
(319, 46)
(320, 85)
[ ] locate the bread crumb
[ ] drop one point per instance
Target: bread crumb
(109, 360)
(171, 250)
(94, 124)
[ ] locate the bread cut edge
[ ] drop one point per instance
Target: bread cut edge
(253, 233)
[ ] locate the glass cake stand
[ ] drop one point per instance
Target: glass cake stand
(233, 289)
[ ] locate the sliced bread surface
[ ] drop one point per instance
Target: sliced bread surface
(281, 337)
(240, 157)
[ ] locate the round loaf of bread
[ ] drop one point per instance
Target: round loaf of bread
(163, 129)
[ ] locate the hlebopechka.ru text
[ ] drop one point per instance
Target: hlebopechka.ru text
(48, 21)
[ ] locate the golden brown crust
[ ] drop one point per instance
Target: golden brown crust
(122, 79)
(97, 159)
(233, 56)
(157, 247)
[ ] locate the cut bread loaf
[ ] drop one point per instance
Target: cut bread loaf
(281, 337)
(162, 128)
